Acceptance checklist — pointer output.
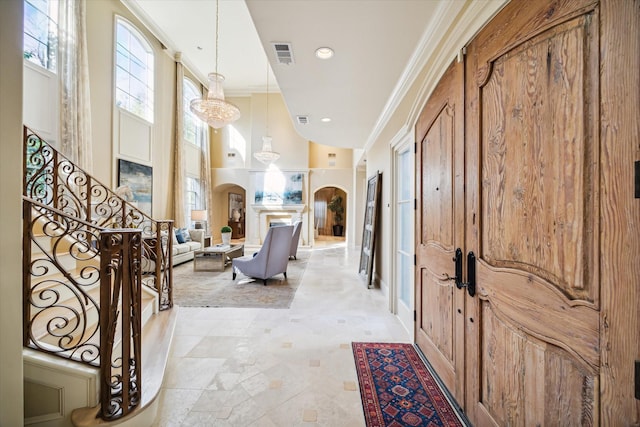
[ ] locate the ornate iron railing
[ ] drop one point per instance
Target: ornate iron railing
(82, 299)
(53, 180)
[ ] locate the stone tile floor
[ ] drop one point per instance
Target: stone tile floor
(279, 367)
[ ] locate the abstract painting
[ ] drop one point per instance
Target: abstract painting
(139, 179)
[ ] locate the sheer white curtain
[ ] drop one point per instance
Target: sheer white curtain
(179, 201)
(75, 102)
(320, 214)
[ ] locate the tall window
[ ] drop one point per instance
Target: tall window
(41, 32)
(404, 231)
(194, 196)
(192, 125)
(134, 71)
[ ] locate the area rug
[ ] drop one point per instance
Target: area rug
(218, 289)
(397, 389)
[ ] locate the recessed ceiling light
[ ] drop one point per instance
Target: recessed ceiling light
(325, 119)
(324, 52)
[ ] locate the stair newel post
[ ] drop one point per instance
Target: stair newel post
(164, 264)
(169, 261)
(120, 301)
(106, 339)
(131, 319)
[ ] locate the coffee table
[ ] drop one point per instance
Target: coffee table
(216, 258)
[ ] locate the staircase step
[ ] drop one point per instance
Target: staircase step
(157, 336)
(65, 313)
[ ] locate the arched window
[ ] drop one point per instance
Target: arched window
(192, 125)
(41, 32)
(134, 71)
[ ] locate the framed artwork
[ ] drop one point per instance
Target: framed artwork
(370, 228)
(236, 206)
(278, 188)
(139, 179)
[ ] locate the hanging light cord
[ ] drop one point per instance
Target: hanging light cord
(267, 97)
(217, 6)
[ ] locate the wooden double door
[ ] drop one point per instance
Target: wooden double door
(521, 173)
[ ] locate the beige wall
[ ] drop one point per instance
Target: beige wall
(293, 149)
(11, 388)
(234, 138)
(379, 159)
(324, 156)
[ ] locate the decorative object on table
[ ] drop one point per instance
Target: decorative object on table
(200, 219)
(335, 206)
(266, 155)
(236, 204)
(139, 179)
(213, 109)
(397, 388)
(226, 235)
(218, 289)
(271, 259)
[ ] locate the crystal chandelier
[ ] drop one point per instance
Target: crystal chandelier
(267, 155)
(214, 109)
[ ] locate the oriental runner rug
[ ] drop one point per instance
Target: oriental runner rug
(397, 389)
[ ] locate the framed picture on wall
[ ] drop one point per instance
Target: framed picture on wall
(139, 179)
(278, 188)
(236, 206)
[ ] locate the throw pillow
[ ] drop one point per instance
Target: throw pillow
(185, 234)
(179, 235)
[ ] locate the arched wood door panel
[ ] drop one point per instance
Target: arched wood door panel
(440, 221)
(533, 351)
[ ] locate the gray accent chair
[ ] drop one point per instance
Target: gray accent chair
(271, 259)
(297, 228)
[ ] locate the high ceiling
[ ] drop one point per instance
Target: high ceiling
(377, 44)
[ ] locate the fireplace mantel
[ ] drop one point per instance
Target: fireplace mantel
(278, 208)
(264, 214)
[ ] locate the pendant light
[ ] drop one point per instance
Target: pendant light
(267, 155)
(213, 109)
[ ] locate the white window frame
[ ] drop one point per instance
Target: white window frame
(193, 195)
(50, 45)
(190, 91)
(403, 309)
(147, 65)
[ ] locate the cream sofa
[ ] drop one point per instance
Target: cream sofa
(183, 252)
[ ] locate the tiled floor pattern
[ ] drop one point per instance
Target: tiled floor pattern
(271, 367)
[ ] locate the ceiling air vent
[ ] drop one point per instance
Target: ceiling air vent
(303, 120)
(284, 53)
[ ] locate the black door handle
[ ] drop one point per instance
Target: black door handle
(471, 272)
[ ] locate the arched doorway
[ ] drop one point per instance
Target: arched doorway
(330, 214)
(229, 210)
